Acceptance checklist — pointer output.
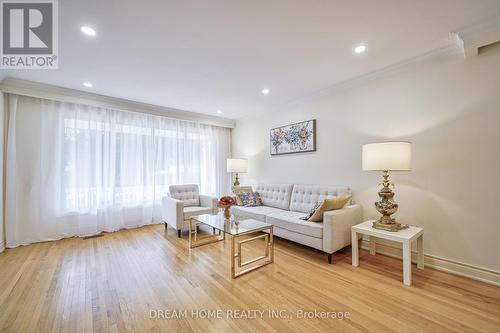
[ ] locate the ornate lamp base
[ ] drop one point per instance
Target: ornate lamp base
(386, 206)
(394, 226)
(237, 180)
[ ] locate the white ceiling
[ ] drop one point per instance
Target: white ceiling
(219, 54)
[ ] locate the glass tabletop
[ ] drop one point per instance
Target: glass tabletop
(234, 226)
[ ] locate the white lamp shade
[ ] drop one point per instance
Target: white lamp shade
(237, 165)
(394, 156)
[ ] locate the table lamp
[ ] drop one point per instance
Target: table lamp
(237, 165)
(387, 156)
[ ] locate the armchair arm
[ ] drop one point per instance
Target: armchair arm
(209, 201)
(337, 227)
(172, 212)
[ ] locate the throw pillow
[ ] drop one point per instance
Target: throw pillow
(329, 204)
(311, 212)
(240, 189)
(250, 199)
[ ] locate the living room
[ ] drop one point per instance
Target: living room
(250, 166)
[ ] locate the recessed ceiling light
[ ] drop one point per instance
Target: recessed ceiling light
(360, 49)
(87, 84)
(89, 31)
(219, 111)
(266, 91)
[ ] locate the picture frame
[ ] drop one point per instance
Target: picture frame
(293, 138)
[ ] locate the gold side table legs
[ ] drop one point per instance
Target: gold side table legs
(236, 246)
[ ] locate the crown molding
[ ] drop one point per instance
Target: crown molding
(450, 48)
(480, 34)
(459, 45)
(46, 91)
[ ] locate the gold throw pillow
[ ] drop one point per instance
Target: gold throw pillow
(329, 204)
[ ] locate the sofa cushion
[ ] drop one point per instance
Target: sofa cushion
(189, 194)
(314, 242)
(291, 221)
(196, 210)
(305, 197)
(275, 195)
(257, 213)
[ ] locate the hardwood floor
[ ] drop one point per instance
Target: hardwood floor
(117, 282)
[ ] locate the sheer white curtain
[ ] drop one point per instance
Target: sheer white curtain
(75, 170)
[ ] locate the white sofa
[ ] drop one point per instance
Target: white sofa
(284, 204)
(184, 201)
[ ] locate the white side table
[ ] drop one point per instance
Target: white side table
(405, 236)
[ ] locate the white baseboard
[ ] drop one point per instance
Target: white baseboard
(2, 248)
(442, 264)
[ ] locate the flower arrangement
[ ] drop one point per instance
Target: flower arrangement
(226, 202)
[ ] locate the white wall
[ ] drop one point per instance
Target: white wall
(448, 109)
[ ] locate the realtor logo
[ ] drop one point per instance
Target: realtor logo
(29, 34)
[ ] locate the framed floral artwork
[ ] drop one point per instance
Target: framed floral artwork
(293, 138)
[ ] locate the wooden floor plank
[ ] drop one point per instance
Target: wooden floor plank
(113, 284)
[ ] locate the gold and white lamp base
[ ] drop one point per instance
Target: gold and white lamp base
(236, 180)
(386, 206)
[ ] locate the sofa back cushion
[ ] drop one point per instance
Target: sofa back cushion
(305, 197)
(189, 194)
(275, 195)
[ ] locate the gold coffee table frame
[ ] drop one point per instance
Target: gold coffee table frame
(238, 239)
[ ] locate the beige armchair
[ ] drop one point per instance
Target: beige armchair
(183, 202)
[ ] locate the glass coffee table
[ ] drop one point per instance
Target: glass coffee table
(242, 231)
